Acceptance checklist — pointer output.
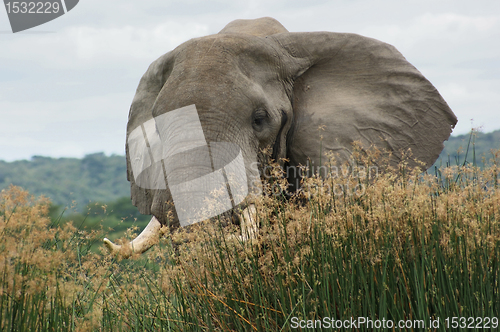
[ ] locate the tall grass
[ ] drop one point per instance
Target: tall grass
(402, 246)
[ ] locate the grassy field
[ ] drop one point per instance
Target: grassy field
(399, 251)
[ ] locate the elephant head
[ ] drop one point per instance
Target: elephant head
(224, 98)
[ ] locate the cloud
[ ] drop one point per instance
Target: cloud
(443, 32)
(128, 42)
(63, 128)
(87, 47)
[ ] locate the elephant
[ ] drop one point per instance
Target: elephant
(254, 87)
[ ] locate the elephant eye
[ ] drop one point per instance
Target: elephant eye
(259, 117)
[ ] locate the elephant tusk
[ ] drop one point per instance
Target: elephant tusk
(248, 222)
(148, 237)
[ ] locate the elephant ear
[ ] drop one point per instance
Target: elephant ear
(141, 112)
(352, 88)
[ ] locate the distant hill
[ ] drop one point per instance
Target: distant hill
(101, 178)
(96, 178)
(480, 147)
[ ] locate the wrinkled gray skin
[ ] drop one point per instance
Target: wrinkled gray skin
(258, 85)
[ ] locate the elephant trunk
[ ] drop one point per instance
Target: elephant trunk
(203, 174)
(148, 237)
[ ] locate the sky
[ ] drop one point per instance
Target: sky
(66, 86)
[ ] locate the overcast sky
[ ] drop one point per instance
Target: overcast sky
(66, 86)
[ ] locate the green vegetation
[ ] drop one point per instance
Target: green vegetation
(113, 218)
(70, 182)
(473, 147)
(407, 246)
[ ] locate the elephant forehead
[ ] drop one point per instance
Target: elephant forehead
(219, 72)
(211, 91)
(225, 49)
